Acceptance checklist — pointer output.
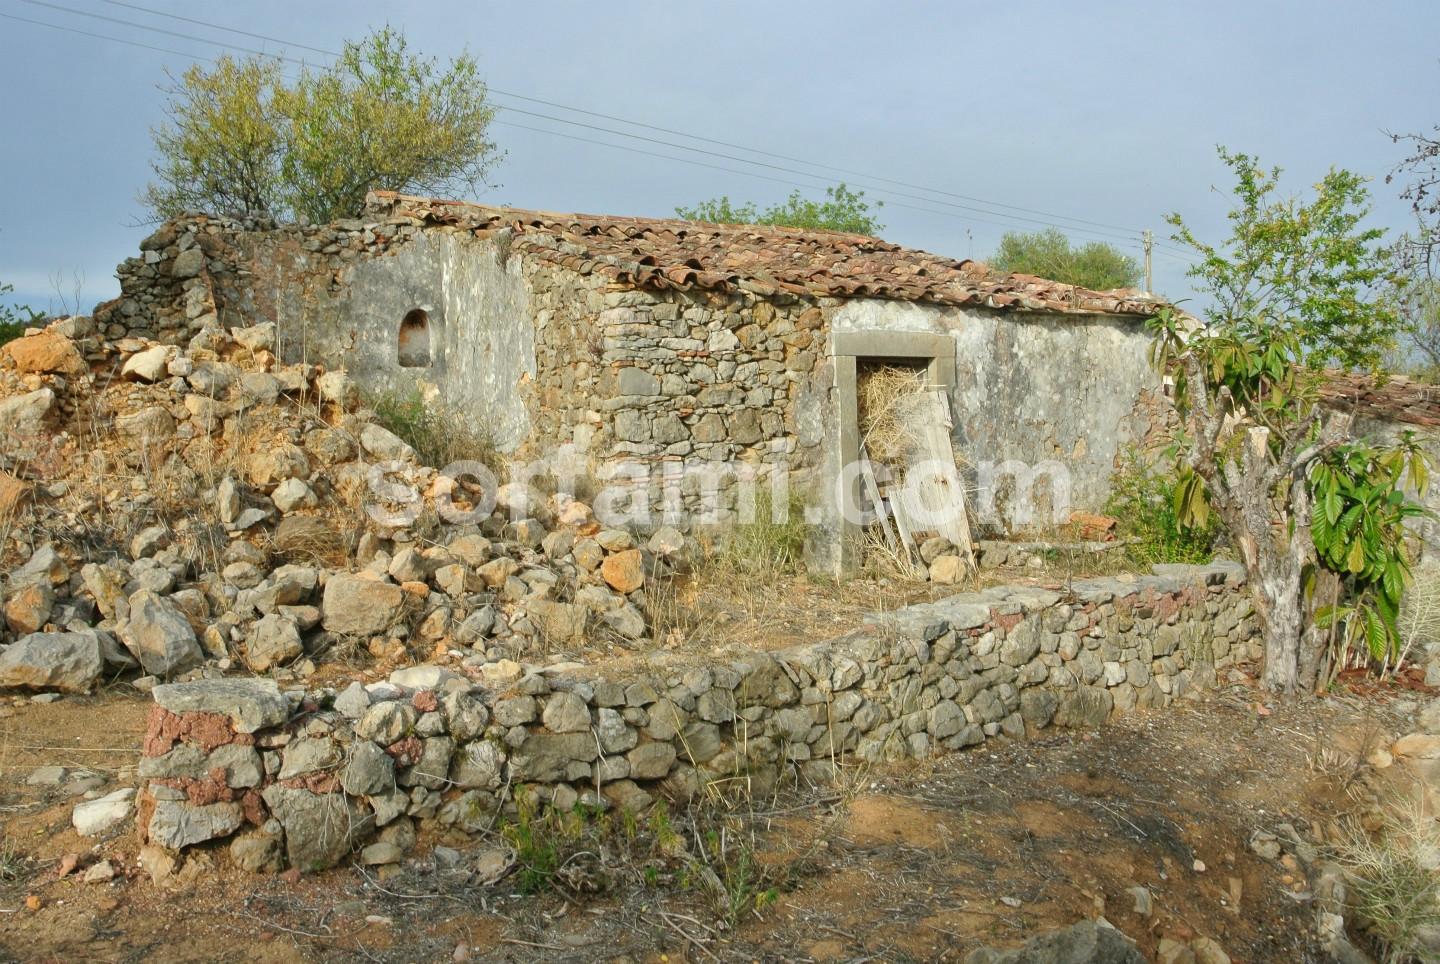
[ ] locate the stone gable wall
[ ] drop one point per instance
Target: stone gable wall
(304, 778)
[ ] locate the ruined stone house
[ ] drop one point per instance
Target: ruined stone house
(663, 343)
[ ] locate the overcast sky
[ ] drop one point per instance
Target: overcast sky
(1107, 112)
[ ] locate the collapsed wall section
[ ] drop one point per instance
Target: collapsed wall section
(304, 778)
(438, 314)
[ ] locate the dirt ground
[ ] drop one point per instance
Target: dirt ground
(724, 611)
(925, 863)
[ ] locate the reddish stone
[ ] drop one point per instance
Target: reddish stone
(1006, 621)
(319, 783)
(406, 751)
(164, 729)
(253, 806)
(425, 701)
(624, 571)
(12, 493)
(144, 810)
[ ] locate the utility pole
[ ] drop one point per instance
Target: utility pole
(1149, 238)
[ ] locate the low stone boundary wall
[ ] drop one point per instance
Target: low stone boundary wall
(303, 779)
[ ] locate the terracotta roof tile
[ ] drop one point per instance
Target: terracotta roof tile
(660, 254)
(1395, 399)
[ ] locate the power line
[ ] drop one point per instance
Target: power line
(1050, 217)
(1008, 219)
(799, 160)
(791, 170)
(213, 26)
(730, 170)
(162, 30)
(101, 36)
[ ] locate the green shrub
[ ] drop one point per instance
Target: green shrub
(765, 547)
(1142, 497)
(437, 439)
(14, 319)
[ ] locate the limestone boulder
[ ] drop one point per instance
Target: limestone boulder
(251, 704)
(356, 606)
(187, 264)
(272, 466)
(176, 824)
(274, 640)
(149, 365)
(947, 570)
(69, 662)
(28, 607)
(94, 817)
(338, 388)
(159, 636)
(320, 828)
(45, 353)
(23, 416)
(382, 444)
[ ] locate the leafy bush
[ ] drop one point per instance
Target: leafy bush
(1048, 254)
(240, 139)
(1359, 531)
(1143, 498)
(842, 210)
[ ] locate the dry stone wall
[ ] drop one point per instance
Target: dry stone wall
(305, 778)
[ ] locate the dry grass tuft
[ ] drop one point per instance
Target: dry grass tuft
(1395, 878)
(770, 546)
(670, 612)
(888, 561)
(1419, 615)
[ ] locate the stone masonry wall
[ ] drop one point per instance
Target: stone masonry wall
(691, 384)
(539, 356)
(305, 778)
(551, 359)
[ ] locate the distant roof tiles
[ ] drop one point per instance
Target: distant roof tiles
(1394, 399)
(661, 253)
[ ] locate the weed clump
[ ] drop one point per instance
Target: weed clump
(1395, 881)
(771, 544)
(437, 439)
(1142, 497)
(586, 850)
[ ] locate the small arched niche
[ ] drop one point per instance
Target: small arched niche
(414, 339)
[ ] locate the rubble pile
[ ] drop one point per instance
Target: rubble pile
(171, 511)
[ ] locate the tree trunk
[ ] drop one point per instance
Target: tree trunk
(1315, 645)
(1274, 567)
(1261, 494)
(1283, 617)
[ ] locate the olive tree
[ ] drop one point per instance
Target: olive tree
(14, 318)
(242, 139)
